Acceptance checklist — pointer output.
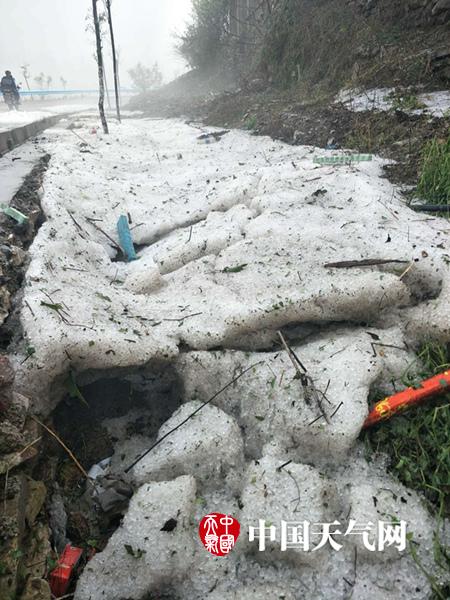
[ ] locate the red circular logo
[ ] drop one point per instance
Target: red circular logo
(219, 533)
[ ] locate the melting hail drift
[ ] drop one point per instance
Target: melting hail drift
(228, 385)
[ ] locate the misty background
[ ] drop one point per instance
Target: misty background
(51, 36)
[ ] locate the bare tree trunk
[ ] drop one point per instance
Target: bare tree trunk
(101, 100)
(115, 66)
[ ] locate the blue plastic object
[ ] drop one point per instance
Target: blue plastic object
(126, 241)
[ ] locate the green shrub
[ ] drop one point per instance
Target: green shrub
(405, 101)
(434, 183)
(250, 123)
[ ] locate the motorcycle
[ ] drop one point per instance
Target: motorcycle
(12, 100)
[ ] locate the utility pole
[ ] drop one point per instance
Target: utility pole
(118, 76)
(101, 100)
(108, 99)
(114, 57)
(26, 75)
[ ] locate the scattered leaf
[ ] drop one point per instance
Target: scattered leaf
(103, 297)
(73, 389)
(138, 553)
(169, 525)
(237, 269)
(56, 307)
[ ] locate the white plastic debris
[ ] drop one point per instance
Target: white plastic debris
(99, 469)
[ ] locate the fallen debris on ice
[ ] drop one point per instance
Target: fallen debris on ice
(236, 241)
(271, 405)
(258, 266)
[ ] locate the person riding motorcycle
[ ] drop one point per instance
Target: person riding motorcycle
(10, 91)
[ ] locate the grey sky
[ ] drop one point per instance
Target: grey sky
(50, 36)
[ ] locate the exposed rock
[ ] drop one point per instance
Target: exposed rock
(441, 6)
(37, 493)
(18, 256)
(7, 376)
(10, 437)
(58, 521)
(22, 451)
(12, 529)
(440, 62)
(9, 461)
(36, 589)
(5, 304)
(17, 411)
(6, 372)
(427, 10)
(367, 51)
(37, 549)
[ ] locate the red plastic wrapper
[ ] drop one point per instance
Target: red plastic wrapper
(61, 576)
(387, 408)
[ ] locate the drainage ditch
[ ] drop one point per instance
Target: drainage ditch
(15, 239)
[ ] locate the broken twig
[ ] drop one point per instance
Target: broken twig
(181, 319)
(61, 443)
(309, 387)
(115, 244)
(369, 262)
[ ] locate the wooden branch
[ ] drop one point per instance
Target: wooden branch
(369, 262)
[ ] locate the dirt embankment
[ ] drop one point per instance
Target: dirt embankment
(15, 240)
(284, 115)
(285, 85)
(24, 538)
(395, 134)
